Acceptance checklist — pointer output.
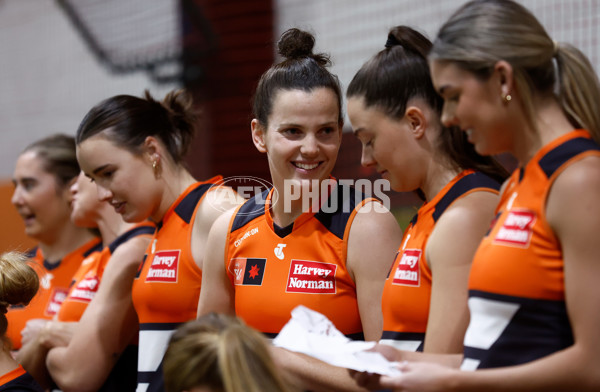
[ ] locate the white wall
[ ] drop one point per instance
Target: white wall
(354, 30)
(48, 77)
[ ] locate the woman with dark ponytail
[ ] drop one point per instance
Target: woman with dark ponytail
(395, 113)
(18, 285)
(133, 148)
(310, 240)
(533, 287)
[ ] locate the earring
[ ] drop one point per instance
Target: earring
(507, 98)
(154, 165)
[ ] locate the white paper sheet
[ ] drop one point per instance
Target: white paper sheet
(312, 333)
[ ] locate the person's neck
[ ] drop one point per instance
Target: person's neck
(7, 363)
(437, 177)
(65, 240)
(175, 182)
(111, 225)
(550, 123)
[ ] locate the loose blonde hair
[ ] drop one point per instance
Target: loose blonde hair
(222, 353)
(18, 285)
(483, 32)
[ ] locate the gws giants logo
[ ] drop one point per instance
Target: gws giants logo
(86, 288)
(279, 251)
(516, 229)
(247, 271)
(408, 272)
(164, 267)
(311, 277)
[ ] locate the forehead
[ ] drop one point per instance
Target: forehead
(98, 150)
(300, 103)
(445, 73)
(28, 163)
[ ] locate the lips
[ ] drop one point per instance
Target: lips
(118, 206)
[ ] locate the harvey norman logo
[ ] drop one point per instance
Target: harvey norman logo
(516, 228)
(86, 289)
(408, 272)
(164, 267)
(57, 297)
(311, 277)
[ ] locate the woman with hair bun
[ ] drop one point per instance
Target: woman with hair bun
(133, 149)
(43, 175)
(533, 286)
(310, 240)
(395, 113)
(219, 353)
(18, 285)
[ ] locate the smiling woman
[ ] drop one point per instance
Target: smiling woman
(331, 260)
(133, 148)
(43, 175)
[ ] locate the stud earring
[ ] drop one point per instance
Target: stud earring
(507, 98)
(154, 165)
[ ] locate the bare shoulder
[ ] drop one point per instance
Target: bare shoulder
(574, 194)
(216, 201)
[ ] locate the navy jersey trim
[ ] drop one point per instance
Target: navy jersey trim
(561, 154)
(159, 326)
(402, 336)
(283, 231)
(465, 184)
(250, 210)
(539, 328)
(141, 230)
(345, 198)
(23, 383)
(51, 266)
(185, 209)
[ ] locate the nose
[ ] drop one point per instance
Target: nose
(74, 188)
(449, 115)
(17, 196)
(104, 194)
(310, 145)
(366, 157)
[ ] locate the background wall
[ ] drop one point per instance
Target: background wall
(49, 78)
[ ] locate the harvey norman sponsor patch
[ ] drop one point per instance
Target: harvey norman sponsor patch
(86, 288)
(247, 271)
(311, 277)
(408, 272)
(56, 299)
(164, 266)
(516, 228)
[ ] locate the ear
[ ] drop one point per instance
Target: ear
(416, 120)
(504, 72)
(152, 149)
(258, 135)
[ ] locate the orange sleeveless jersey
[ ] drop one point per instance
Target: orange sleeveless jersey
(87, 279)
(18, 380)
(516, 286)
(407, 291)
(274, 270)
(167, 287)
(54, 286)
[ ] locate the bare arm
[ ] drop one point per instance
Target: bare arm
(449, 254)
(33, 354)
(107, 326)
(217, 294)
(214, 204)
(572, 209)
(372, 244)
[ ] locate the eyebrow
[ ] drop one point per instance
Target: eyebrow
(99, 169)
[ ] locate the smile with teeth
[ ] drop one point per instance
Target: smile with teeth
(306, 166)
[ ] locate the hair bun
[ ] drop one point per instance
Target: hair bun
(295, 43)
